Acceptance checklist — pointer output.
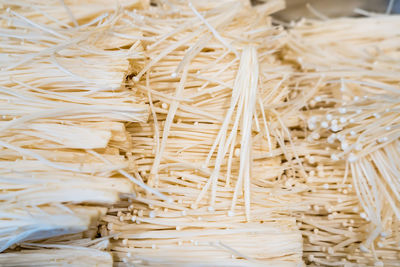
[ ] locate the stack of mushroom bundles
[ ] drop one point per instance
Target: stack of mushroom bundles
(63, 109)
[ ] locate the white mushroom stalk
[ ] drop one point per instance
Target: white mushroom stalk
(35, 223)
(60, 255)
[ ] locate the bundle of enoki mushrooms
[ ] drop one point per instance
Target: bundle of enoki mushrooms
(203, 133)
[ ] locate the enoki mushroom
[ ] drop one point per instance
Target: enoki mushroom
(200, 133)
